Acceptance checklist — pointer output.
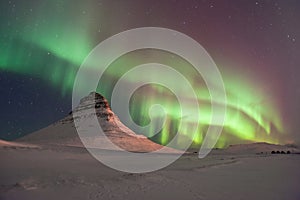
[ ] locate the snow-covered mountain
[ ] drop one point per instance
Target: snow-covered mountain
(64, 132)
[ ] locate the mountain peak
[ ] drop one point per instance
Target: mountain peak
(95, 98)
(95, 101)
(64, 132)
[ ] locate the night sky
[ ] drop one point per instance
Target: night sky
(43, 43)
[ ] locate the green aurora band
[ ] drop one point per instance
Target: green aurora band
(44, 49)
(45, 45)
(250, 115)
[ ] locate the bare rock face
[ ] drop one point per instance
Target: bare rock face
(93, 104)
(99, 103)
(64, 132)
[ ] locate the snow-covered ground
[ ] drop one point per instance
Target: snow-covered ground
(61, 172)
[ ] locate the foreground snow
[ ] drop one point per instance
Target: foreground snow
(60, 172)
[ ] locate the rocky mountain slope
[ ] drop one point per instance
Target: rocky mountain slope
(64, 132)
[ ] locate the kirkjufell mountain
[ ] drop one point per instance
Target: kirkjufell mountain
(63, 132)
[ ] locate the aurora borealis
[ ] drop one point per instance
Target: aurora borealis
(254, 44)
(246, 118)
